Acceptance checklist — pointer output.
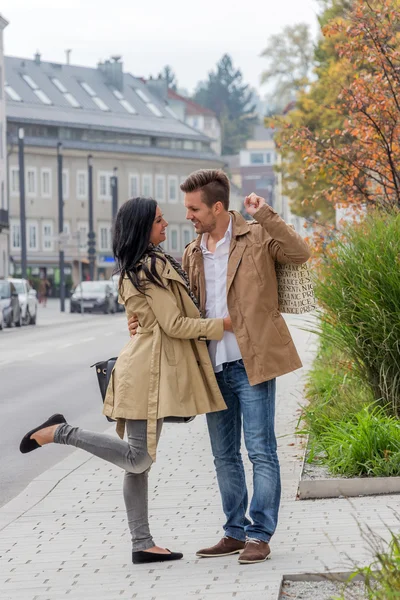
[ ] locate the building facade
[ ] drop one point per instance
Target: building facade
(4, 219)
(127, 130)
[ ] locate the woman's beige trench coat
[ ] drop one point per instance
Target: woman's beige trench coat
(165, 370)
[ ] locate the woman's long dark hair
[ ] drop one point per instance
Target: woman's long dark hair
(131, 243)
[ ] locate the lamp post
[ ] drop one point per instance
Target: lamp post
(91, 235)
(21, 164)
(61, 224)
(114, 192)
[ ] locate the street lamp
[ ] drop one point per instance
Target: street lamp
(91, 235)
(21, 165)
(61, 224)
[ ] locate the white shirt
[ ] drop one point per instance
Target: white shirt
(215, 271)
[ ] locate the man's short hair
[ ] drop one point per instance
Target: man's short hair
(213, 183)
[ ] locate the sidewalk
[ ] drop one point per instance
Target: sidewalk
(66, 536)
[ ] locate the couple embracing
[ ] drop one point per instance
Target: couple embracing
(206, 337)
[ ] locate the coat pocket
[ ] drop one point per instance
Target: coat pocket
(168, 346)
(279, 323)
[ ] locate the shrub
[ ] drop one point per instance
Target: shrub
(359, 294)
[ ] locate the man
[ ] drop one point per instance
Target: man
(231, 268)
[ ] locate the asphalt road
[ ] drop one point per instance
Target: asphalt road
(44, 370)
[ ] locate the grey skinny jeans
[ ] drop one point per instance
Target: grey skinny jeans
(132, 456)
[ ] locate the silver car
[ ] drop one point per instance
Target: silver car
(27, 299)
(10, 311)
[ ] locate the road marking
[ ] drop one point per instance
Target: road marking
(65, 346)
(35, 354)
(108, 333)
(89, 339)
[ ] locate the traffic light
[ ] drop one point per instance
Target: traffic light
(91, 244)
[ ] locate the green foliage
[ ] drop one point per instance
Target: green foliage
(364, 444)
(359, 292)
(225, 94)
(382, 576)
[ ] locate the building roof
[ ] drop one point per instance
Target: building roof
(192, 108)
(73, 96)
(262, 133)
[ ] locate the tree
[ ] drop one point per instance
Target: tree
(359, 160)
(314, 110)
(230, 99)
(168, 74)
(290, 56)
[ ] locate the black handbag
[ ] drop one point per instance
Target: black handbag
(103, 372)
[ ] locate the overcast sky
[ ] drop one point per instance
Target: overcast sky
(190, 36)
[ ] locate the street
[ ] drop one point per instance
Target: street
(44, 369)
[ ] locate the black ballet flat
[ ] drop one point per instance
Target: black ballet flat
(140, 557)
(27, 445)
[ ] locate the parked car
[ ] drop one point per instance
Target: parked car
(10, 310)
(95, 295)
(115, 281)
(28, 300)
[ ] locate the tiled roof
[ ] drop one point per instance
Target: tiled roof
(192, 108)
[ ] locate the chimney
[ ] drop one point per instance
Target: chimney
(113, 72)
(37, 58)
(158, 87)
(67, 55)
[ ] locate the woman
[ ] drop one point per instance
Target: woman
(164, 371)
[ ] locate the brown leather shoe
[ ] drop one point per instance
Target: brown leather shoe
(225, 547)
(255, 551)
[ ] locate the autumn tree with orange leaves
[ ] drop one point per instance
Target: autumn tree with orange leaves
(360, 160)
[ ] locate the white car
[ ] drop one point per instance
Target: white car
(27, 299)
(115, 282)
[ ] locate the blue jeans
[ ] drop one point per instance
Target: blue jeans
(256, 406)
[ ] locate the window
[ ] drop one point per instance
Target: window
(69, 97)
(11, 93)
(65, 183)
(134, 187)
(156, 111)
(172, 188)
(105, 237)
(31, 181)
(174, 238)
(14, 181)
(187, 236)
(142, 95)
(160, 188)
(67, 227)
(3, 198)
(150, 105)
(33, 242)
(257, 158)
(46, 183)
(147, 186)
(36, 90)
(81, 185)
(124, 103)
(105, 186)
(47, 235)
(182, 180)
(83, 230)
(90, 91)
(15, 235)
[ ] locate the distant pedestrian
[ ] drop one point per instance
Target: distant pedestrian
(44, 290)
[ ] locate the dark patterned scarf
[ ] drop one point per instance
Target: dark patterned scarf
(181, 271)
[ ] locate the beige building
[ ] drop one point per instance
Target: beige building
(4, 223)
(116, 119)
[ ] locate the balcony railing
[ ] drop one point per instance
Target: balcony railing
(3, 219)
